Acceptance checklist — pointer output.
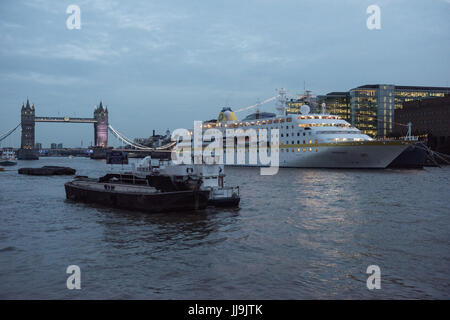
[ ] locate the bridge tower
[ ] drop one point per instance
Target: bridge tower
(27, 115)
(101, 126)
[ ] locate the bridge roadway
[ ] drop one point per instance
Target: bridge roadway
(65, 119)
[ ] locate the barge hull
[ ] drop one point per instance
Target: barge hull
(150, 203)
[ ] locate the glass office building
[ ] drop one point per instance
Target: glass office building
(372, 107)
(337, 103)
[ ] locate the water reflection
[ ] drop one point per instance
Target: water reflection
(164, 231)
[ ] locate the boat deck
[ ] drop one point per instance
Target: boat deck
(113, 187)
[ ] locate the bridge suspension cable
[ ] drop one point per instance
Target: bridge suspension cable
(138, 145)
(7, 133)
(127, 140)
(258, 104)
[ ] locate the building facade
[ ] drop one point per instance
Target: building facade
(337, 103)
(430, 118)
(372, 107)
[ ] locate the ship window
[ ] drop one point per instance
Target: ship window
(304, 141)
(298, 141)
(310, 141)
(287, 134)
(310, 149)
(269, 121)
(289, 119)
(298, 134)
(282, 150)
(275, 121)
(281, 134)
(281, 120)
(315, 141)
(316, 149)
(304, 149)
(298, 150)
(304, 134)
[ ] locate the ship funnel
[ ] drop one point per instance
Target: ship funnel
(226, 115)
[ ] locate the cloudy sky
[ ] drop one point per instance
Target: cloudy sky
(163, 64)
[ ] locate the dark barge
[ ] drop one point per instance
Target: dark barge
(47, 171)
(135, 197)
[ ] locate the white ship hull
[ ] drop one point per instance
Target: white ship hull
(368, 154)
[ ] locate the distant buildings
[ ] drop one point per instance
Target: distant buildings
(154, 141)
(430, 117)
(38, 146)
(56, 146)
(371, 108)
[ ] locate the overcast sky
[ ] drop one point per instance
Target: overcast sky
(164, 64)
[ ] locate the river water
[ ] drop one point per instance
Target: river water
(301, 234)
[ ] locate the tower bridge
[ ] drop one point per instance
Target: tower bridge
(28, 121)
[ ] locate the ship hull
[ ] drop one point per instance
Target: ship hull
(414, 157)
(136, 198)
(358, 155)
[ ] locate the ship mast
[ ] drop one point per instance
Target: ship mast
(281, 103)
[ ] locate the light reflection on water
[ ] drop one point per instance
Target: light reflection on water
(300, 234)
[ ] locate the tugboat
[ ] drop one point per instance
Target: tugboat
(165, 175)
(8, 157)
(129, 196)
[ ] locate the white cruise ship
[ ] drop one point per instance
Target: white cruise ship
(308, 140)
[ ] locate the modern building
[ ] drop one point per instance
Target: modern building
(372, 106)
(430, 118)
(337, 103)
(53, 146)
(38, 146)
